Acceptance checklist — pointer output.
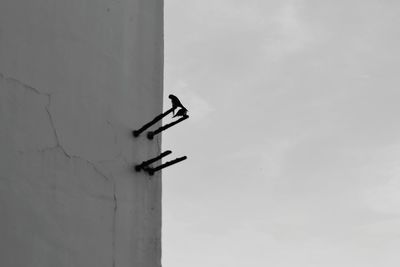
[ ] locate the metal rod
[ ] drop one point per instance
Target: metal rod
(150, 161)
(136, 133)
(150, 135)
(151, 171)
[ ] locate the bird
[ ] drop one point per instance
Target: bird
(181, 113)
(175, 103)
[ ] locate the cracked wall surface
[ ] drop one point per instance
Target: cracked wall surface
(76, 77)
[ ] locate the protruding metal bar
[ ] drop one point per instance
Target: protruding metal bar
(136, 133)
(150, 135)
(144, 164)
(151, 171)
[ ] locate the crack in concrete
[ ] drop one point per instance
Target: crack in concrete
(47, 107)
(68, 155)
(114, 188)
(52, 124)
(72, 157)
(33, 89)
(94, 167)
(114, 224)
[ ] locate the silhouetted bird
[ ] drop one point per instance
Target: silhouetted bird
(176, 103)
(182, 112)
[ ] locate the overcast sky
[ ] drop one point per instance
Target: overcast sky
(293, 140)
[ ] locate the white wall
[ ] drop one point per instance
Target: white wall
(76, 77)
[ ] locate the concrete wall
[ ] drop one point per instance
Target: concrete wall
(76, 76)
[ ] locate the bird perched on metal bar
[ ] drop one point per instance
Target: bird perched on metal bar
(176, 103)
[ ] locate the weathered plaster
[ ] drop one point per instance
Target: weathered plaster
(75, 78)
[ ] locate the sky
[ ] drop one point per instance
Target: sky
(293, 140)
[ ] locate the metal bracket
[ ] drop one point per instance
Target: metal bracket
(136, 133)
(151, 134)
(151, 171)
(146, 163)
